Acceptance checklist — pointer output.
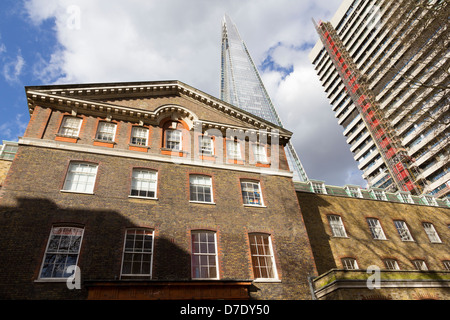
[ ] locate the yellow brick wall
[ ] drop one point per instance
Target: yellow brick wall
(4, 167)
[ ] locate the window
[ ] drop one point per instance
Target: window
(260, 153)
(378, 194)
(200, 188)
(139, 136)
(376, 229)
(206, 145)
(204, 256)
(405, 197)
(233, 150)
(262, 256)
(251, 193)
(63, 249)
(337, 227)
(431, 232)
(106, 131)
(173, 139)
(446, 264)
(81, 177)
(391, 264)
(349, 263)
(143, 183)
(354, 192)
(318, 187)
(8, 152)
(429, 200)
(403, 230)
(70, 127)
(137, 253)
(420, 265)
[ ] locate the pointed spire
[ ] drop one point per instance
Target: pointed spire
(241, 85)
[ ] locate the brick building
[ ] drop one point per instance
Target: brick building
(154, 190)
(357, 235)
(7, 153)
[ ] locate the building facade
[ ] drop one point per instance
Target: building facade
(376, 245)
(150, 190)
(384, 68)
(241, 86)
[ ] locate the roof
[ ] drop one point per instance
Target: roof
(95, 96)
(369, 195)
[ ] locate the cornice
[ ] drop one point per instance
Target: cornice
(88, 97)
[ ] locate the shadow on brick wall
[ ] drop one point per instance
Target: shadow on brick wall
(24, 233)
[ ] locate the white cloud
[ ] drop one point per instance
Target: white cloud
(12, 69)
(113, 40)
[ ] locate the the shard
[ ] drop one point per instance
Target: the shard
(241, 86)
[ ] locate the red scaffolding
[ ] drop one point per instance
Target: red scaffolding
(395, 157)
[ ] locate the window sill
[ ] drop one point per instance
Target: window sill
(201, 202)
(139, 148)
(102, 143)
(50, 280)
(254, 206)
(76, 192)
(63, 138)
(267, 280)
(144, 198)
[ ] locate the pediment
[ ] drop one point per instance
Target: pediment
(149, 102)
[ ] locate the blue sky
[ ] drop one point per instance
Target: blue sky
(84, 41)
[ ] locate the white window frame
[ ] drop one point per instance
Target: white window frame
(206, 145)
(318, 187)
(139, 135)
(391, 264)
(376, 229)
(378, 195)
(174, 137)
(137, 251)
(420, 265)
(144, 184)
(260, 153)
(353, 191)
(431, 232)
(106, 131)
(257, 254)
(75, 234)
(246, 193)
(199, 182)
(349, 263)
(337, 226)
(67, 127)
(429, 200)
(81, 174)
(233, 150)
(403, 230)
(206, 259)
(405, 197)
(446, 264)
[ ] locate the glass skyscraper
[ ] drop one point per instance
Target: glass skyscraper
(241, 86)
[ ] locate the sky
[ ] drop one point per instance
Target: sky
(44, 42)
